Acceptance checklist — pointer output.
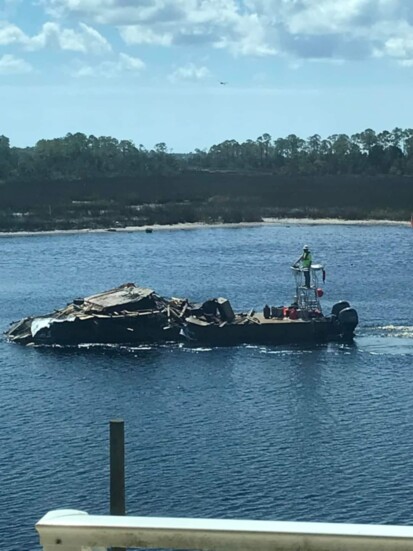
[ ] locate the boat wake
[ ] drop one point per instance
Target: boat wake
(387, 340)
(402, 331)
(113, 347)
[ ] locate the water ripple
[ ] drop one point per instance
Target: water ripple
(316, 433)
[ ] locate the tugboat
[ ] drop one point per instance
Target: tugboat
(301, 322)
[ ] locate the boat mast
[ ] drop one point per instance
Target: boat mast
(307, 298)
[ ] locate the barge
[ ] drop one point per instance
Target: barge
(132, 315)
(301, 322)
(128, 314)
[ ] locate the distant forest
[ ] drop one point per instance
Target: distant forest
(79, 156)
(81, 181)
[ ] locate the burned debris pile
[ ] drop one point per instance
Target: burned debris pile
(126, 314)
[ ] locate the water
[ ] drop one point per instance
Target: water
(289, 433)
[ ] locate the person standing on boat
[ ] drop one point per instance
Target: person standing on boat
(305, 261)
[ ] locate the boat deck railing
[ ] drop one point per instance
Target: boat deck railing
(70, 530)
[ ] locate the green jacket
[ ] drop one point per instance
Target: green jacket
(306, 260)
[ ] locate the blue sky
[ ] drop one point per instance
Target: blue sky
(151, 70)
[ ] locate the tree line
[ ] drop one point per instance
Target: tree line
(78, 156)
(367, 152)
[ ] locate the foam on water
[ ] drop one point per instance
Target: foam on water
(403, 331)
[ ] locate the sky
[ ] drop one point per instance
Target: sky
(193, 73)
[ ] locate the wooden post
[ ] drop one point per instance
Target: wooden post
(117, 469)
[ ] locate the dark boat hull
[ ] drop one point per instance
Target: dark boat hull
(119, 330)
(280, 332)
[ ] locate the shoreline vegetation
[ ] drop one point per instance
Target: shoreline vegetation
(200, 225)
(88, 183)
(203, 199)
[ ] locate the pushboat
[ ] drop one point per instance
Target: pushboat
(132, 315)
(301, 322)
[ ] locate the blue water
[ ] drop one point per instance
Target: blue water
(319, 433)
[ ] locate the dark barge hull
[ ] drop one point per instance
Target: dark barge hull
(119, 330)
(269, 332)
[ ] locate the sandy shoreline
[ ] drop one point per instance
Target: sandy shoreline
(200, 225)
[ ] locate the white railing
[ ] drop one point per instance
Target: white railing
(68, 530)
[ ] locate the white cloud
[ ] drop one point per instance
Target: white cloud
(216, 23)
(406, 63)
(129, 63)
(394, 41)
(321, 16)
(86, 39)
(249, 36)
(138, 34)
(299, 29)
(9, 64)
(11, 34)
(398, 46)
(110, 69)
(117, 12)
(190, 72)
